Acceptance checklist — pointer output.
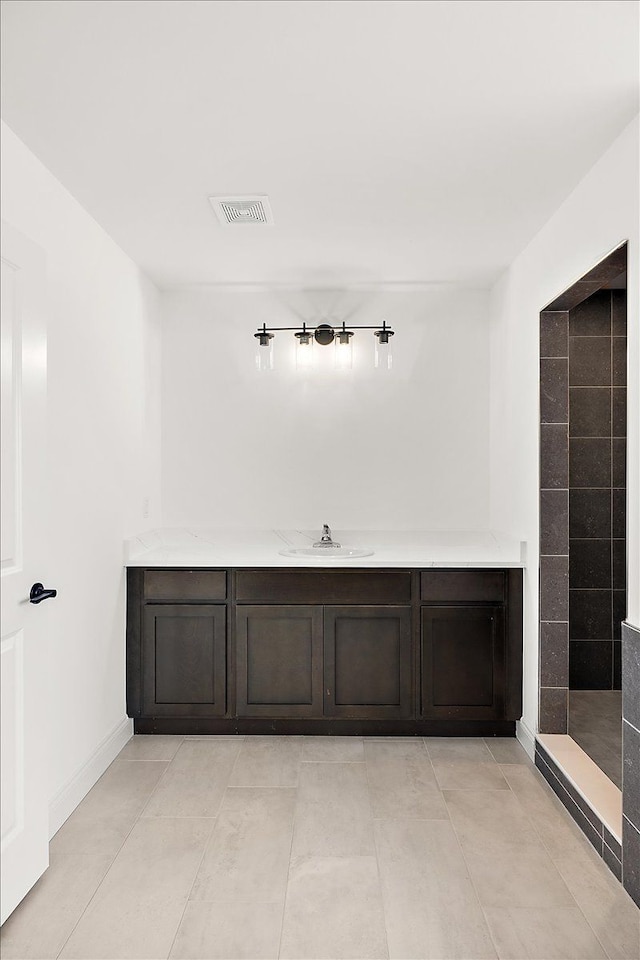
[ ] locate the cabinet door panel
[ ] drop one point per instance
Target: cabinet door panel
(367, 661)
(279, 661)
(463, 669)
(184, 660)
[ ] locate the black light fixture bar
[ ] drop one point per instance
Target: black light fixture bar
(323, 333)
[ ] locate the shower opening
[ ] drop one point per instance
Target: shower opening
(583, 387)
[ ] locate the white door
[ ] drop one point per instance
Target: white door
(23, 633)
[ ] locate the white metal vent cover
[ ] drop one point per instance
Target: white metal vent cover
(230, 210)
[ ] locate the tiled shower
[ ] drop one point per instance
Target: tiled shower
(597, 428)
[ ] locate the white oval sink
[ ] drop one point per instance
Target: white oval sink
(326, 553)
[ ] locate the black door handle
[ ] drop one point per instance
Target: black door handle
(38, 593)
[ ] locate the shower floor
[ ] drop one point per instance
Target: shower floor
(595, 723)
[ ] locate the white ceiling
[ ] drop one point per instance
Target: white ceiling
(398, 141)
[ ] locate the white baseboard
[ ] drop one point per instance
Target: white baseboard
(526, 738)
(68, 798)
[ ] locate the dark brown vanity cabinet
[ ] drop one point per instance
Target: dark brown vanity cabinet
(345, 657)
(471, 644)
(176, 643)
(367, 662)
(279, 661)
(369, 651)
(184, 660)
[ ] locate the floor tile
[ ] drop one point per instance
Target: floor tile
(229, 931)
(525, 933)
(122, 790)
(405, 790)
(333, 813)
(41, 924)
(247, 857)
(137, 908)
(523, 876)
(481, 817)
(560, 834)
(101, 836)
(449, 926)
(333, 910)
(418, 857)
(150, 748)
(344, 783)
(327, 749)
(268, 762)
(466, 775)
(195, 780)
(409, 748)
(507, 750)
(473, 749)
(610, 911)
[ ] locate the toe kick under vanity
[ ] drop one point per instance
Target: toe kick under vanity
(375, 649)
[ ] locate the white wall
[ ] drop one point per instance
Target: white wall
(103, 457)
(601, 213)
(357, 450)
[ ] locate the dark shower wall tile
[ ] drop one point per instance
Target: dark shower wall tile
(553, 709)
(590, 665)
(631, 675)
(617, 665)
(631, 772)
(619, 612)
(589, 564)
(590, 614)
(590, 513)
(590, 361)
(619, 462)
(554, 334)
(590, 411)
(554, 391)
(631, 859)
(619, 313)
(620, 565)
(619, 499)
(554, 522)
(554, 654)
(589, 463)
(619, 373)
(554, 456)
(554, 588)
(592, 317)
(619, 406)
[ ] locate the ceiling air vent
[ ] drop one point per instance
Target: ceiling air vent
(242, 209)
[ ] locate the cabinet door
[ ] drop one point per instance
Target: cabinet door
(367, 661)
(463, 662)
(184, 660)
(279, 661)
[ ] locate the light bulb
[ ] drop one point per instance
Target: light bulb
(304, 350)
(264, 350)
(343, 350)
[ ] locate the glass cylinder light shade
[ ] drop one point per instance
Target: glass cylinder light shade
(264, 351)
(383, 356)
(344, 350)
(304, 350)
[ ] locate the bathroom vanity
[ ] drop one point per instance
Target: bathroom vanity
(303, 650)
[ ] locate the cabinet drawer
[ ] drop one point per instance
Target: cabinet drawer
(464, 586)
(187, 585)
(323, 586)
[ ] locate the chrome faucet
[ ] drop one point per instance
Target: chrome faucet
(326, 540)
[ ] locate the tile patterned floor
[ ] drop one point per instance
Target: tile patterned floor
(294, 847)
(595, 723)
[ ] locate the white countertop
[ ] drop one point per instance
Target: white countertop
(202, 547)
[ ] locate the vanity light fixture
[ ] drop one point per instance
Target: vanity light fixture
(324, 334)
